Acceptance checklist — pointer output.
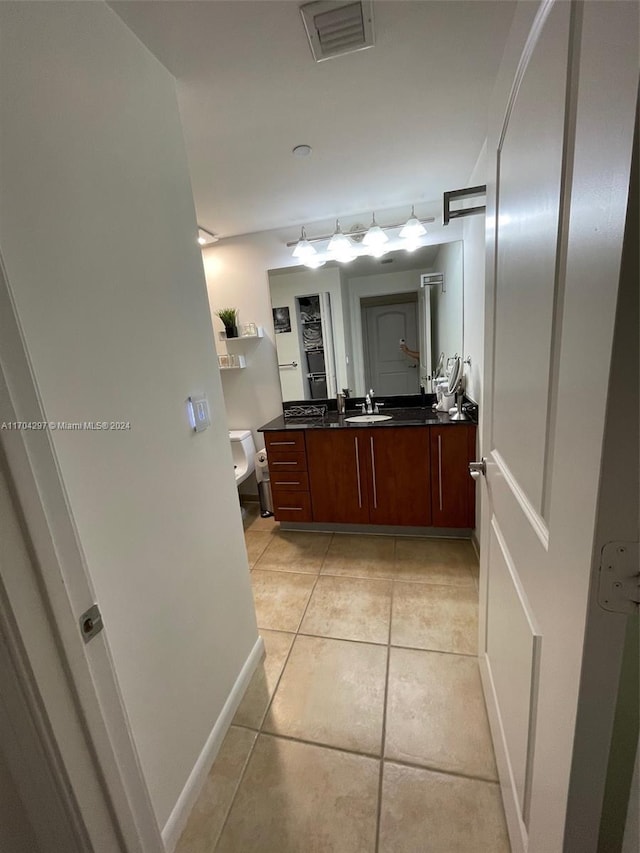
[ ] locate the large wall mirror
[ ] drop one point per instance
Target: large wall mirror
(378, 323)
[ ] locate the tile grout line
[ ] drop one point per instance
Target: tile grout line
(236, 788)
(402, 762)
(430, 768)
(320, 744)
(296, 634)
(384, 712)
(264, 716)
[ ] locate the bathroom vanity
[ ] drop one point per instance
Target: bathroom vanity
(387, 324)
(409, 471)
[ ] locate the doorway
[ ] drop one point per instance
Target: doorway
(387, 321)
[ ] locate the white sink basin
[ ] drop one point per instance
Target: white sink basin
(367, 419)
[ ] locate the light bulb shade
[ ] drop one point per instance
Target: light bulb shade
(375, 236)
(340, 244)
(412, 229)
(377, 251)
(303, 249)
(313, 261)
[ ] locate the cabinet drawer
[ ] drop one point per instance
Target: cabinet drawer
(291, 460)
(291, 481)
(284, 441)
(291, 506)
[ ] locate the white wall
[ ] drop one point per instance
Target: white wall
(97, 232)
(446, 308)
(473, 234)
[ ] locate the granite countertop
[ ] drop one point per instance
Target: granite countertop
(414, 416)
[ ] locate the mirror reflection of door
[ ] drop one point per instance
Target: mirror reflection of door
(386, 321)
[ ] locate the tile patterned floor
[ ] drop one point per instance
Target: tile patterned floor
(364, 729)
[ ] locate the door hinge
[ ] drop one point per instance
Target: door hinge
(91, 623)
(619, 583)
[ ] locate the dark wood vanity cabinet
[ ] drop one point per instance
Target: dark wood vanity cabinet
(370, 476)
(452, 488)
(398, 472)
(399, 476)
(337, 478)
(286, 451)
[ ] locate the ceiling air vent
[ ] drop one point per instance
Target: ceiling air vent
(334, 28)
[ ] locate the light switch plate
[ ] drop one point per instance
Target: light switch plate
(199, 413)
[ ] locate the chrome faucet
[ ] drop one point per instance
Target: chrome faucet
(369, 401)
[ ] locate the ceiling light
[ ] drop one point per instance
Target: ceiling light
(301, 151)
(206, 238)
(375, 237)
(303, 248)
(413, 228)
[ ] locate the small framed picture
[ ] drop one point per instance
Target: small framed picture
(281, 320)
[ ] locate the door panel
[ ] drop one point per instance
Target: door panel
(387, 370)
(336, 468)
(452, 490)
(530, 165)
(513, 645)
(559, 154)
(398, 476)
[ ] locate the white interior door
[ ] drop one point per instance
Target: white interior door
(559, 149)
(386, 369)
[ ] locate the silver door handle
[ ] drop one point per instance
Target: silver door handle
(478, 468)
(373, 471)
(358, 473)
(440, 469)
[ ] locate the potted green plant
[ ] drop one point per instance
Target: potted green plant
(229, 317)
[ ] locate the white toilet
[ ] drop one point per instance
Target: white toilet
(243, 451)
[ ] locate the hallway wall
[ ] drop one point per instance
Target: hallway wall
(97, 233)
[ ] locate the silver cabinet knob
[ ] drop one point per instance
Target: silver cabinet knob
(478, 468)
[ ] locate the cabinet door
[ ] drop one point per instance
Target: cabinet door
(398, 475)
(452, 489)
(337, 475)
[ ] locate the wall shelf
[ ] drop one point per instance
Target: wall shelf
(239, 362)
(259, 334)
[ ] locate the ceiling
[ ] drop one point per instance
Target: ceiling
(396, 124)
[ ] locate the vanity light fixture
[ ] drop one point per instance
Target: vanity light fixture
(413, 228)
(303, 248)
(340, 246)
(374, 241)
(375, 238)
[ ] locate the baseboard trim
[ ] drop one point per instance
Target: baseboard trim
(475, 543)
(178, 818)
(517, 830)
(378, 529)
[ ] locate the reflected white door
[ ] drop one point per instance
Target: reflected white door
(559, 154)
(386, 369)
